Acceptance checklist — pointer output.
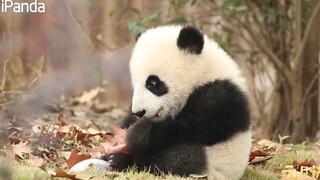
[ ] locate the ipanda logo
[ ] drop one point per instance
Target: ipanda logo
(21, 7)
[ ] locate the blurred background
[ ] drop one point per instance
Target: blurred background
(77, 45)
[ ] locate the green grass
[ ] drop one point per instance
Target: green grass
(271, 170)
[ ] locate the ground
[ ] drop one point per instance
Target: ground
(48, 143)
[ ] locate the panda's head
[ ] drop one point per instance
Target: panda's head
(168, 63)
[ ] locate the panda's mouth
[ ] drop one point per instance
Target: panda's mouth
(159, 113)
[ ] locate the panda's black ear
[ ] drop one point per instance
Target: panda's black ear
(191, 40)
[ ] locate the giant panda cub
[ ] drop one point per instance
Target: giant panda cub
(190, 110)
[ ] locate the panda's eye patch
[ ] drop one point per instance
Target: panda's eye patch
(156, 86)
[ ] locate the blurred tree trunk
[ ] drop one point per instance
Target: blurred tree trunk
(310, 78)
(296, 108)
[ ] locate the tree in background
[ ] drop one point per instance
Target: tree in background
(284, 36)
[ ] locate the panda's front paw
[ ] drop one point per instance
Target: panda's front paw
(138, 136)
(119, 161)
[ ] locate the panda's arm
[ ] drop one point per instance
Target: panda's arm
(128, 120)
(144, 136)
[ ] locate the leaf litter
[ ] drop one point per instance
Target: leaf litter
(57, 146)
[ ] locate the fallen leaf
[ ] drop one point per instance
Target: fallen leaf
(117, 137)
(36, 161)
(270, 144)
(257, 152)
(21, 148)
(60, 173)
(260, 159)
(87, 96)
(75, 158)
(121, 148)
(307, 163)
(61, 120)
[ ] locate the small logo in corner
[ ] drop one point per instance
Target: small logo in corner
(22, 7)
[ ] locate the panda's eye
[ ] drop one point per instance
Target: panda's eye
(151, 84)
(156, 86)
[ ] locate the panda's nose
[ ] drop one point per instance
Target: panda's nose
(140, 114)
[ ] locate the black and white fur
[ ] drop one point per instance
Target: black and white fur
(192, 108)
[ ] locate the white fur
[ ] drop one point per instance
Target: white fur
(156, 53)
(227, 160)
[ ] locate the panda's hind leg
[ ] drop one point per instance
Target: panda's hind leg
(181, 159)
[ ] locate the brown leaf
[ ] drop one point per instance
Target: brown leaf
(87, 96)
(273, 145)
(257, 152)
(260, 159)
(75, 158)
(60, 173)
(307, 163)
(61, 120)
(117, 137)
(121, 148)
(21, 148)
(36, 161)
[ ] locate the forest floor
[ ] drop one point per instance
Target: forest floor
(47, 144)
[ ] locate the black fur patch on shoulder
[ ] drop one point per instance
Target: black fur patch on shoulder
(216, 111)
(191, 40)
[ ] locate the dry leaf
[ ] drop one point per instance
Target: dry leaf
(121, 148)
(60, 173)
(36, 161)
(75, 158)
(306, 163)
(270, 144)
(88, 96)
(260, 159)
(21, 148)
(117, 137)
(257, 152)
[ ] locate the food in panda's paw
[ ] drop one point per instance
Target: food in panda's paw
(115, 142)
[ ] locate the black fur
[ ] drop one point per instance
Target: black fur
(120, 161)
(128, 120)
(181, 159)
(156, 86)
(191, 40)
(213, 113)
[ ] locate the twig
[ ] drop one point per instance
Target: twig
(298, 22)
(309, 88)
(95, 124)
(3, 83)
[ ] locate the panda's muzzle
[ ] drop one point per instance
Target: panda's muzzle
(159, 113)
